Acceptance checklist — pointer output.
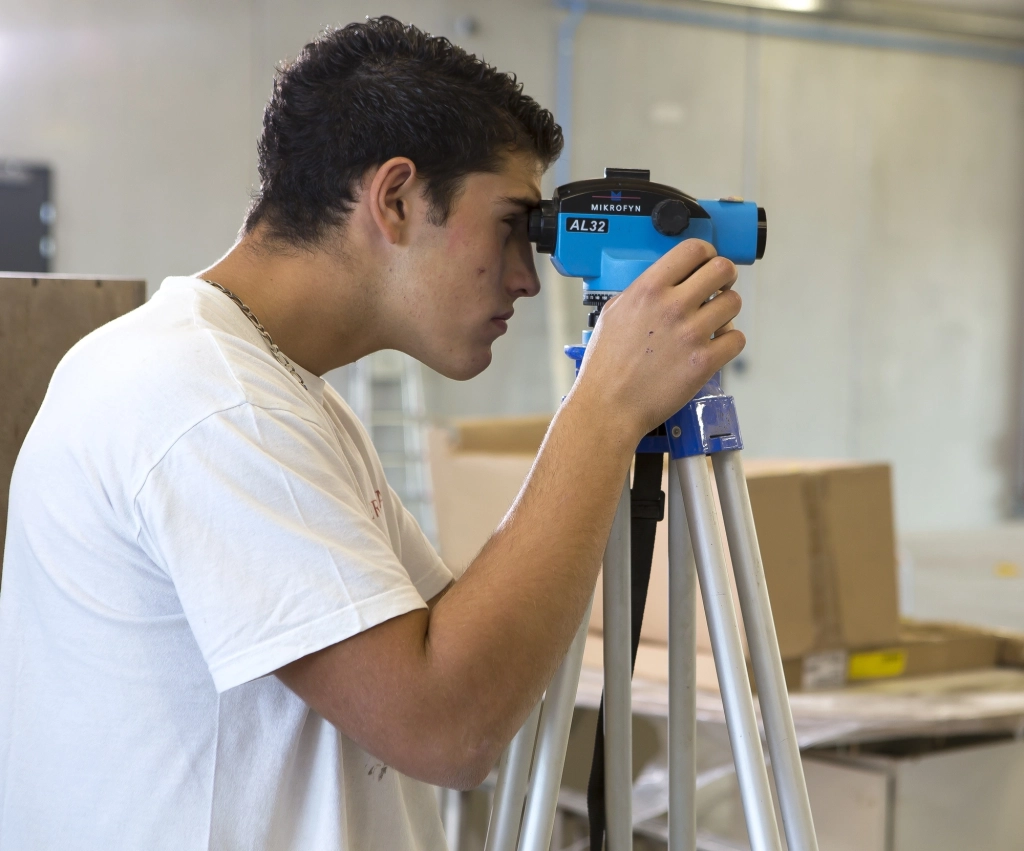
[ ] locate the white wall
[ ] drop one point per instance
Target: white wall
(882, 321)
(149, 114)
(143, 111)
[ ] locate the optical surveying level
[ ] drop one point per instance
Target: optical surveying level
(608, 232)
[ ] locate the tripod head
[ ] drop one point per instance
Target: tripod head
(611, 230)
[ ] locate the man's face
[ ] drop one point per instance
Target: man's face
(464, 276)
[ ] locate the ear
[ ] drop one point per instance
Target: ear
(393, 191)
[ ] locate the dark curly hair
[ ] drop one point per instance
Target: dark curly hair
(357, 96)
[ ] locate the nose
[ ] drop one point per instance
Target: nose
(528, 285)
(521, 278)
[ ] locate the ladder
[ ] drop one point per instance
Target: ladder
(385, 390)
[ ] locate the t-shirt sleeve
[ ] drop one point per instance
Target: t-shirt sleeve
(274, 552)
(418, 554)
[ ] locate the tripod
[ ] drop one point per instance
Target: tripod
(530, 772)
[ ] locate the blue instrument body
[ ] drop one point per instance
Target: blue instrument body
(610, 261)
(609, 233)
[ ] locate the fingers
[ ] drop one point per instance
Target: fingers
(715, 317)
(679, 263)
(717, 275)
(724, 329)
(723, 349)
(692, 271)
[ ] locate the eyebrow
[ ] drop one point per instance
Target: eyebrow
(527, 202)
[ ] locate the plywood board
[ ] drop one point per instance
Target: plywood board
(40, 319)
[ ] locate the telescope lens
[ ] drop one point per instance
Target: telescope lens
(542, 227)
(762, 232)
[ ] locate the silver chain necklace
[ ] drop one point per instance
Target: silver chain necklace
(274, 350)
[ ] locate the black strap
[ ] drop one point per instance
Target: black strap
(647, 507)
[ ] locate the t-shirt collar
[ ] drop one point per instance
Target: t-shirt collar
(314, 383)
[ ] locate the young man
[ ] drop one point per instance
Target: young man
(219, 628)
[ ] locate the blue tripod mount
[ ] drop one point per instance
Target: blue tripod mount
(706, 425)
(609, 232)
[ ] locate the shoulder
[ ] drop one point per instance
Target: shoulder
(131, 388)
(188, 351)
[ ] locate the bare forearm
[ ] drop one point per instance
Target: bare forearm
(519, 604)
(447, 686)
(437, 693)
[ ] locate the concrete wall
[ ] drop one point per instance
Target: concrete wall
(149, 114)
(882, 322)
(144, 112)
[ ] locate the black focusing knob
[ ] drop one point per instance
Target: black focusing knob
(670, 217)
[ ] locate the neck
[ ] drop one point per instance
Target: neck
(314, 304)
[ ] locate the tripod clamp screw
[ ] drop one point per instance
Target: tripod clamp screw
(677, 432)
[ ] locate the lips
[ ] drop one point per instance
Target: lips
(501, 321)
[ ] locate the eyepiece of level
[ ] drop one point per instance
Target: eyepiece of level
(762, 232)
(542, 227)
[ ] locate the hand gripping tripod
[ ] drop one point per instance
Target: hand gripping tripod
(608, 232)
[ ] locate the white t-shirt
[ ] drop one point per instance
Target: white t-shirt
(185, 519)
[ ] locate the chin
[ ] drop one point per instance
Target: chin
(463, 369)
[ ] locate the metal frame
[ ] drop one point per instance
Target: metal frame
(696, 548)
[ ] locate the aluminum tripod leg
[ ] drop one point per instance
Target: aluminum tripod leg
(737, 698)
(552, 738)
(510, 792)
(764, 652)
(682, 685)
(451, 818)
(618, 686)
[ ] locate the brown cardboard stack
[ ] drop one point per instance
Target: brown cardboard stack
(478, 467)
(41, 317)
(827, 541)
(826, 537)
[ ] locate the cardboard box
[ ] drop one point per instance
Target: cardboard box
(825, 530)
(923, 649)
(826, 536)
(474, 487)
(921, 652)
(41, 317)
(850, 509)
(1011, 648)
(784, 536)
(928, 648)
(504, 436)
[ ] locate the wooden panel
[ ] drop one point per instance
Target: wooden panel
(40, 319)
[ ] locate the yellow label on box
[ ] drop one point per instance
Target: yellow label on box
(877, 665)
